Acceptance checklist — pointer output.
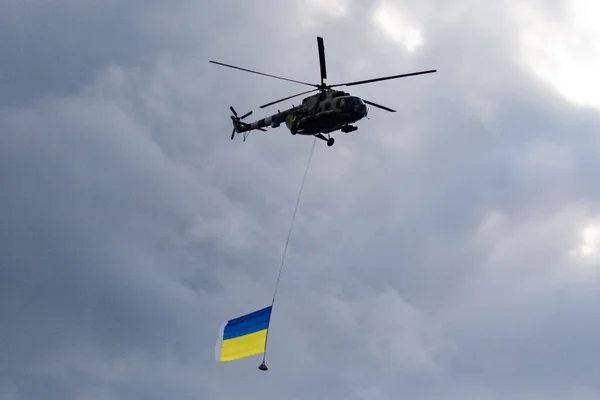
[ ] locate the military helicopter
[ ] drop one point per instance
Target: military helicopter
(319, 114)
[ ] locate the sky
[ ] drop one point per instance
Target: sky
(449, 250)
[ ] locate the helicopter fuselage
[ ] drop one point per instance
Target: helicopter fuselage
(323, 122)
(327, 111)
(321, 113)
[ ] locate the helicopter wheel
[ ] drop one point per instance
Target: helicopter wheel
(330, 142)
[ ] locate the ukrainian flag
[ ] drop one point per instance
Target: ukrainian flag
(244, 336)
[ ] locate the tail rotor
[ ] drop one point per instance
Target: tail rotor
(239, 126)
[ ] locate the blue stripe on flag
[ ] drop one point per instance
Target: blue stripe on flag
(247, 324)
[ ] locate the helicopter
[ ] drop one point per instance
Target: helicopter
(319, 114)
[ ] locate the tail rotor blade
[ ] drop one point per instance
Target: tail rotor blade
(245, 115)
(232, 133)
(233, 111)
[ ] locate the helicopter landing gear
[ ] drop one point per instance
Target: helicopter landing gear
(329, 140)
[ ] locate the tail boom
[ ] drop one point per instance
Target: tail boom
(272, 121)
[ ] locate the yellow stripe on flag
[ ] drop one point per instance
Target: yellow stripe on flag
(244, 346)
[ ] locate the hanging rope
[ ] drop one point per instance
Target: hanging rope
(263, 366)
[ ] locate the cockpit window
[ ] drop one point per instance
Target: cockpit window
(348, 103)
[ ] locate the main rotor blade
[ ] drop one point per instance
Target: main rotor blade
(383, 79)
(287, 98)
(261, 73)
(322, 58)
(377, 105)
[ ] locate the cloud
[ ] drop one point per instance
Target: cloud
(432, 254)
(564, 53)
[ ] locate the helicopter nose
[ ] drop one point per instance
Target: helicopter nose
(362, 110)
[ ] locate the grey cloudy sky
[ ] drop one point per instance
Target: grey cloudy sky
(447, 251)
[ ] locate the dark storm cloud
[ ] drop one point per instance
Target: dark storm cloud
(132, 227)
(55, 47)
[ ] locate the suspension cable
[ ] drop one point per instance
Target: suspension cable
(263, 366)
